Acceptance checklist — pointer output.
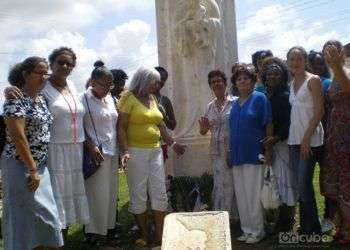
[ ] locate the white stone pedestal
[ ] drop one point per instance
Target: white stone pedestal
(197, 231)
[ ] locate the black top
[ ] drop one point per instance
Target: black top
(280, 114)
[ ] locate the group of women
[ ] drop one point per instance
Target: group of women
(48, 125)
(280, 120)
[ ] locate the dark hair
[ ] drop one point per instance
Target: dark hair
(243, 68)
(301, 49)
(15, 76)
(163, 72)
(335, 43)
(279, 63)
(215, 73)
(119, 75)
(261, 54)
(313, 54)
(346, 48)
(100, 71)
(59, 51)
(311, 60)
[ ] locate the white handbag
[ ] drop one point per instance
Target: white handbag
(269, 195)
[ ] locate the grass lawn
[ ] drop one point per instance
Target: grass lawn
(76, 236)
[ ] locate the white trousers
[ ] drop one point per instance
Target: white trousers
(248, 179)
(101, 190)
(146, 177)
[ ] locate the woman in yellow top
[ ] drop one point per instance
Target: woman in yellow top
(140, 128)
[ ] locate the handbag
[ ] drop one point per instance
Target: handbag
(89, 165)
(269, 195)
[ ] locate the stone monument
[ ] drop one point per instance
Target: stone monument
(197, 231)
(194, 37)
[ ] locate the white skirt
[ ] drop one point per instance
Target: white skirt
(284, 174)
(65, 161)
(102, 190)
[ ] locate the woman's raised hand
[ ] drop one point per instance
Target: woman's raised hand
(204, 125)
(333, 57)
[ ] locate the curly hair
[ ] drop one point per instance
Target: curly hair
(280, 64)
(243, 68)
(215, 73)
(62, 50)
(15, 77)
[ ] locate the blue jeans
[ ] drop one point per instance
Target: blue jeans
(304, 173)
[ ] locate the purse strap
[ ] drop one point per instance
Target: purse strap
(92, 120)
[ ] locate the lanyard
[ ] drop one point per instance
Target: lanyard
(73, 115)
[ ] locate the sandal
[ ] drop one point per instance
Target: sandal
(141, 242)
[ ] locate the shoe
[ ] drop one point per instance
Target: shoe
(253, 239)
(327, 225)
(141, 242)
(243, 237)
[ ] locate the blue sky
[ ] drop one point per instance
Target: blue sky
(123, 32)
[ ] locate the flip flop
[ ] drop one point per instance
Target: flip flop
(141, 242)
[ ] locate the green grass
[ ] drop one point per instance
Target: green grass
(76, 236)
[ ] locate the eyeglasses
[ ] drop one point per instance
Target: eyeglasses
(105, 85)
(68, 64)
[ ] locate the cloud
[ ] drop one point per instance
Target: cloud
(37, 27)
(278, 27)
(125, 46)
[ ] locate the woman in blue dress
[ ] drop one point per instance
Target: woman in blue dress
(30, 216)
(250, 123)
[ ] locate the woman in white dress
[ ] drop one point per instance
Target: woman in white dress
(100, 123)
(215, 120)
(67, 137)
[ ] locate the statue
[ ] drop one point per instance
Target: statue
(194, 37)
(198, 22)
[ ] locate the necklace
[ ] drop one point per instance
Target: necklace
(73, 114)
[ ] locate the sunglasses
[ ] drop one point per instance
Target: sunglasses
(68, 64)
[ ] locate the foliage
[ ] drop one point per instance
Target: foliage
(185, 191)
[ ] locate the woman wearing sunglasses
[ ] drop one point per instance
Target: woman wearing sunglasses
(65, 155)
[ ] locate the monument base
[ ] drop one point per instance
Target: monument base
(194, 162)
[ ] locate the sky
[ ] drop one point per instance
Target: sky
(122, 33)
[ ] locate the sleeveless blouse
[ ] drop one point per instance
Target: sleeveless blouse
(301, 114)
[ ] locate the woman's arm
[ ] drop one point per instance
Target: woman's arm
(16, 126)
(317, 98)
(335, 62)
(178, 148)
(123, 121)
(169, 119)
(269, 147)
